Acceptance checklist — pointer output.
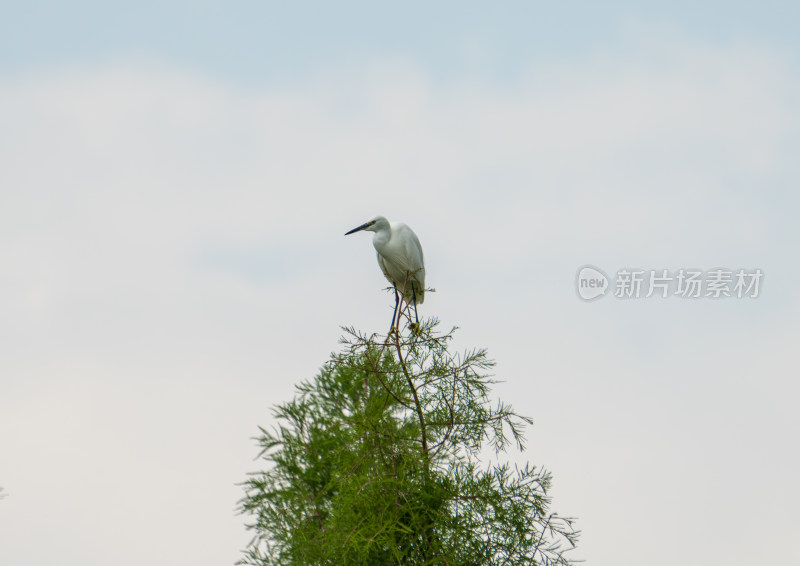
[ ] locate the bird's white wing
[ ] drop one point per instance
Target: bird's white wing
(411, 248)
(414, 257)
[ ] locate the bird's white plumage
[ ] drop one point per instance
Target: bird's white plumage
(399, 256)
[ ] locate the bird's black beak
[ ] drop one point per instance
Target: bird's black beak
(365, 225)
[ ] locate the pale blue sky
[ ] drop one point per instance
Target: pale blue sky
(176, 181)
(266, 42)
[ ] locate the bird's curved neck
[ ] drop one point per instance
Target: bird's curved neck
(381, 238)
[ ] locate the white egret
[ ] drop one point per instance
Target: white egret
(400, 259)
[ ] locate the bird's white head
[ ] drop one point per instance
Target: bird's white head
(375, 225)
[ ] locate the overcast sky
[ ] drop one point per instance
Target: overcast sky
(175, 182)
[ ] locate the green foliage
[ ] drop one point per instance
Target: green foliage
(376, 462)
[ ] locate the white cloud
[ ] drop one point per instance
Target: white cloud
(174, 260)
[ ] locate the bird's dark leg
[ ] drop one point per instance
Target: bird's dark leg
(414, 294)
(396, 302)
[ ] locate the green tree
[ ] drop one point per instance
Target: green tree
(377, 461)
